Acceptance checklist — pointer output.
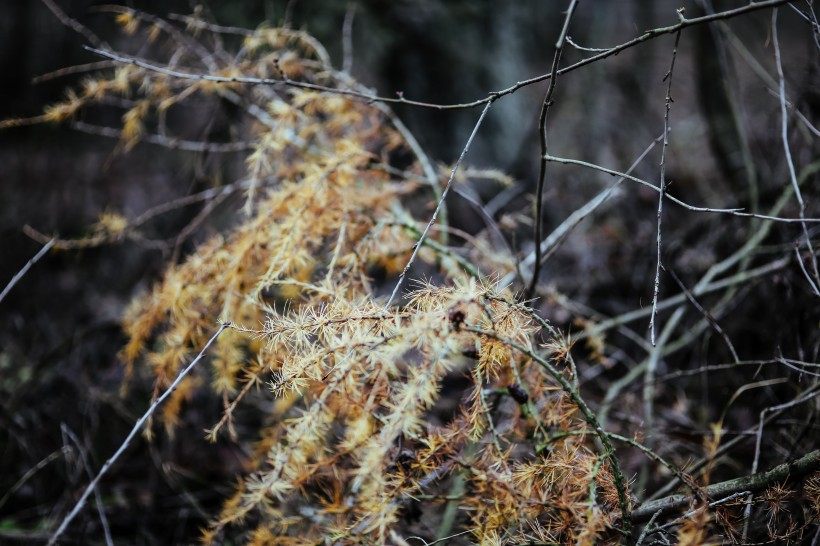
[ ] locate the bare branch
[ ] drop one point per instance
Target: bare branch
(55, 537)
(542, 133)
(494, 95)
(14, 280)
(165, 141)
(662, 186)
(439, 206)
(732, 212)
(784, 134)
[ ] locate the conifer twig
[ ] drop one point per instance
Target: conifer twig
(55, 537)
(588, 415)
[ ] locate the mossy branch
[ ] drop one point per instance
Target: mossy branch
(785, 472)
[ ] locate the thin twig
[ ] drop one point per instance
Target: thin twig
(75, 25)
(784, 134)
(439, 206)
(47, 460)
(199, 24)
(542, 133)
(662, 186)
(588, 49)
(55, 537)
(492, 96)
(732, 211)
(489, 221)
(165, 141)
(347, 38)
(87, 466)
(706, 314)
(14, 280)
(646, 529)
(423, 159)
(76, 69)
(806, 274)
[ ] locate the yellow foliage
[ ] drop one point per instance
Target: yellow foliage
(348, 442)
(129, 22)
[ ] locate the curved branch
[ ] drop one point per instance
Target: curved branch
(646, 36)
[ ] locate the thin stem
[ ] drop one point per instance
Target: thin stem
(662, 187)
(784, 134)
(542, 133)
(732, 212)
(97, 498)
(651, 368)
(706, 314)
(14, 280)
(439, 207)
(492, 96)
(55, 537)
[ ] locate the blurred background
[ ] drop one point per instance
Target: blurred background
(59, 331)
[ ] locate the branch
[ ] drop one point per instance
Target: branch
(732, 212)
(756, 482)
(586, 412)
(55, 537)
(662, 185)
(14, 280)
(439, 206)
(646, 36)
(651, 368)
(784, 133)
(542, 132)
